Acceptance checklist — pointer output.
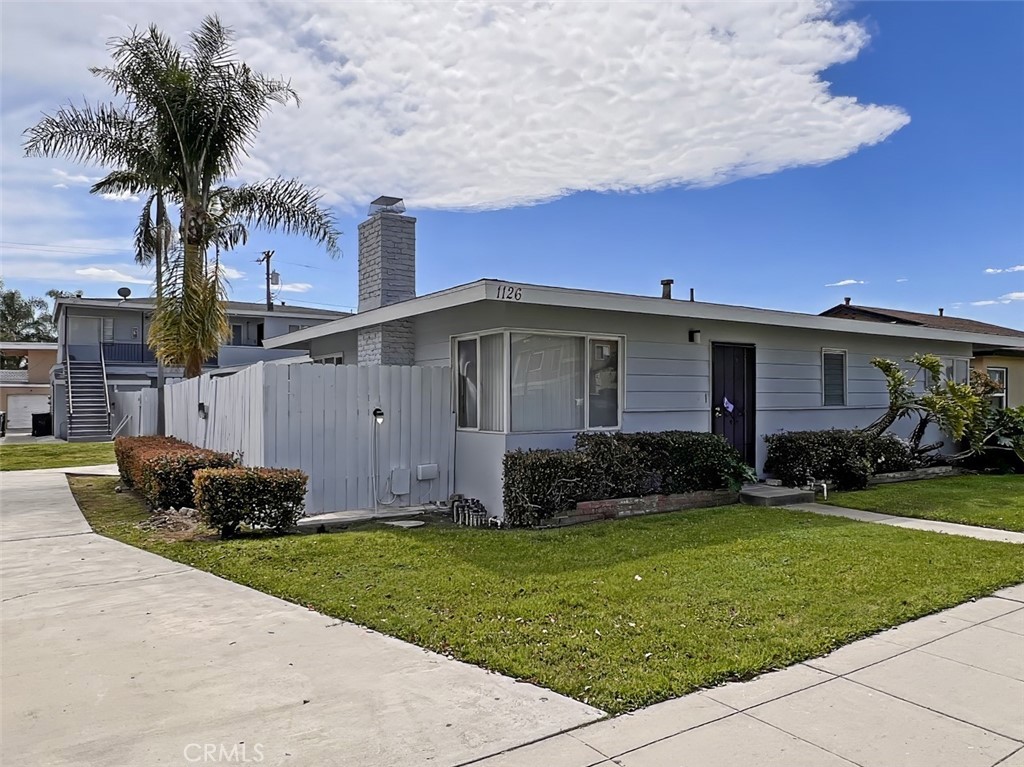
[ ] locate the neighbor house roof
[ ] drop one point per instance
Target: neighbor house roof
(542, 295)
(245, 308)
(27, 346)
(918, 319)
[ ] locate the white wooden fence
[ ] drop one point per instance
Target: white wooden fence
(319, 418)
(139, 407)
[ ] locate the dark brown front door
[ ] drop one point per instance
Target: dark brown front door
(732, 396)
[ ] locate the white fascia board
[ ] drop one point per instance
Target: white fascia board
(619, 302)
(445, 299)
(544, 295)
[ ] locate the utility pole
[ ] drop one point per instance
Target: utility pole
(267, 255)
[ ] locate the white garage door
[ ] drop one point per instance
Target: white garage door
(20, 408)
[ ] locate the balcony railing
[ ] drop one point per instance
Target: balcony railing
(13, 376)
(119, 351)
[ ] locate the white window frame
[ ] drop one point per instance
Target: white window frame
(1004, 395)
(337, 358)
(107, 322)
(846, 376)
(507, 376)
(952, 366)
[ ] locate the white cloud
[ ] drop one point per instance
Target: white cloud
(1006, 298)
(902, 279)
(488, 105)
(1017, 268)
(60, 186)
(108, 274)
(295, 287)
(231, 273)
(77, 179)
(121, 197)
(844, 283)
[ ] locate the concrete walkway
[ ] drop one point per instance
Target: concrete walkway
(950, 528)
(943, 691)
(115, 656)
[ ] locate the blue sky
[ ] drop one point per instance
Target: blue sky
(905, 174)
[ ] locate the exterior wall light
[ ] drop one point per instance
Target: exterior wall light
(694, 336)
(378, 415)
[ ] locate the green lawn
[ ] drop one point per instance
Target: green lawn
(986, 501)
(52, 455)
(619, 614)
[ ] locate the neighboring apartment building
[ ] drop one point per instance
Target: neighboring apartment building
(101, 346)
(26, 390)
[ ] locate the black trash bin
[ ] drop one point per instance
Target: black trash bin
(42, 424)
(3, 423)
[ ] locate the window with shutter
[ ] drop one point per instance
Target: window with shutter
(833, 377)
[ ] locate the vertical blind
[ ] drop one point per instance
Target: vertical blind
(492, 374)
(547, 382)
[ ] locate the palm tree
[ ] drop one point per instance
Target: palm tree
(189, 118)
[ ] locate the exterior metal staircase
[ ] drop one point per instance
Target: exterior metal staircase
(88, 402)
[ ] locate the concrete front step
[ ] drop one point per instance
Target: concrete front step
(766, 495)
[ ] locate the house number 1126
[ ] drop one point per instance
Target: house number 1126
(509, 293)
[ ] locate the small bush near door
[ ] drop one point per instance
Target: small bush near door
(843, 457)
(539, 484)
(269, 499)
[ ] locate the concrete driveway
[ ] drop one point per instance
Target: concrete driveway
(114, 656)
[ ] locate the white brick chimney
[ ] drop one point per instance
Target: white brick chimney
(387, 275)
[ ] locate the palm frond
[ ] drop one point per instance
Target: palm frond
(100, 135)
(287, 205)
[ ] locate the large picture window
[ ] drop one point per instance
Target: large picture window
(547, 382)
(537, 382)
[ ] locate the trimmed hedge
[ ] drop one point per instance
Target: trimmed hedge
(161, 469)
(128, 452)
(271, 499)
(539, 484)
(844, 457)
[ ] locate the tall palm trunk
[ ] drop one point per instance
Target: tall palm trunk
(162, 241)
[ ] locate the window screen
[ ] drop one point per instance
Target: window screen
(833, 369)
(467, 379)
(603, 383)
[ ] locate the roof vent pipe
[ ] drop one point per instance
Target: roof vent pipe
(941, 311)
(846, 300)
(693, 295)
(666, 288)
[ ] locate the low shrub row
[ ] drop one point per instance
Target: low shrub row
(161, 469)
(843, 457)
(539, 484)
(169, 473)
(269, 499)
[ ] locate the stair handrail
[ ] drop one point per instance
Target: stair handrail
(106, 392)
(67, 371)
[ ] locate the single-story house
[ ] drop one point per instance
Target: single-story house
(533, 365)
(1005, 365)
(25, 390)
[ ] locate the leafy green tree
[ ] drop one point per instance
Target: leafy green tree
(23, 319)
(187, 121)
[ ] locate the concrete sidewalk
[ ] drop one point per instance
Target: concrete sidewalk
(943, 691)
(115, 656)
(913, 523)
